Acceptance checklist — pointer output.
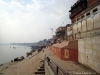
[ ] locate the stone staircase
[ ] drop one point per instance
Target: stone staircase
(41, 70)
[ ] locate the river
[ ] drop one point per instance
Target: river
(9, 52)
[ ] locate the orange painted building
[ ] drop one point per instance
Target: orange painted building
(67, 50)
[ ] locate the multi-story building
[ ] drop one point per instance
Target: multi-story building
(78, 7)
(85, 17)
(85, 27)
(83, 35)
(60, 33)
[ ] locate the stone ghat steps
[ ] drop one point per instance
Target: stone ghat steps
(73, 44)
(39, 74)
(40, 71)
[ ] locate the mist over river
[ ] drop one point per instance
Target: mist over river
(9, 52)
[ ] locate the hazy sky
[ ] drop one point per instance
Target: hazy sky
(31, 20)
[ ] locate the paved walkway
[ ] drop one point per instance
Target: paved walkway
(69, 66)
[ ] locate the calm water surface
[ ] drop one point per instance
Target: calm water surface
(8, 53)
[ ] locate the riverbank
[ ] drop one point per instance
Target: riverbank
(30, 65)
(7, 54)
(25, 67)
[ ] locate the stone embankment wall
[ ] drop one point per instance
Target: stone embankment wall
(89, 52)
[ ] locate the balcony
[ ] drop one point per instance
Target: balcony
(77, 8)
(75, 13)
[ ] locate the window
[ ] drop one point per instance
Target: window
(88, 14)
(82, 16)
(95, 10)
(78, 19)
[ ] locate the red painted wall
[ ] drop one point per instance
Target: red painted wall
(60, 53)
(73, 55)
(92, 2)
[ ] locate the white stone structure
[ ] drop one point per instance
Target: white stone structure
(87, 31)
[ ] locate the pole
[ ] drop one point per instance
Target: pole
(52, 32)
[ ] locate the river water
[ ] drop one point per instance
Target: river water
(9, 52)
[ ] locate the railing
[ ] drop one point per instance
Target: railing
(55, 67)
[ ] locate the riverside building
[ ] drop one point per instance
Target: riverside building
(82, 35)
(85, 27)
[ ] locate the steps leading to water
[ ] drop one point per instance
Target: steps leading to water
(41, 70)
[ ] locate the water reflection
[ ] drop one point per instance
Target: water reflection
(9, 52)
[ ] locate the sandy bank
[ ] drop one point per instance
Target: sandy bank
(25, 67)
